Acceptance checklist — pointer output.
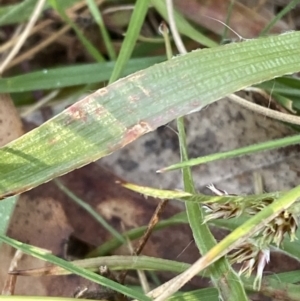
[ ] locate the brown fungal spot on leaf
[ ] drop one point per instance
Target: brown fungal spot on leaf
(135, 132)
(76, 112)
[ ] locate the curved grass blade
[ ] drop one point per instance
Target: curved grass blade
(279, 16)
(222, 275)
(115, 263)
(112, 117)
(269, 145)
(104, 32)
(47, 256)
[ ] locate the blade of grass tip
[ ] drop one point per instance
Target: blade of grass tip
(99, 20)
(92, 50)
(227, 282)
(91, 211)
(234, 239)
(279, 16)
(132, 34)
(69, 266)
(269, 145)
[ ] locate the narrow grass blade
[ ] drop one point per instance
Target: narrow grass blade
(279, 16)
(225, 280)
(269, 145)
(99, 20)
(68, 76)
(87, 44)
(135, 25)
(91, 211)
(47, 256)
(115, 263)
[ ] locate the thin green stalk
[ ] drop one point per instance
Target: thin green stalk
(229, 12)
(223, 276)
(132, 34)
(99, 20)
(279, 16)
(269, 145)
(229, 285)
(91, 211)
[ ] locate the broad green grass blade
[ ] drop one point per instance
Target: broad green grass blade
(68, 76)
(114, 116)
(47, 256)
(254, 148)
